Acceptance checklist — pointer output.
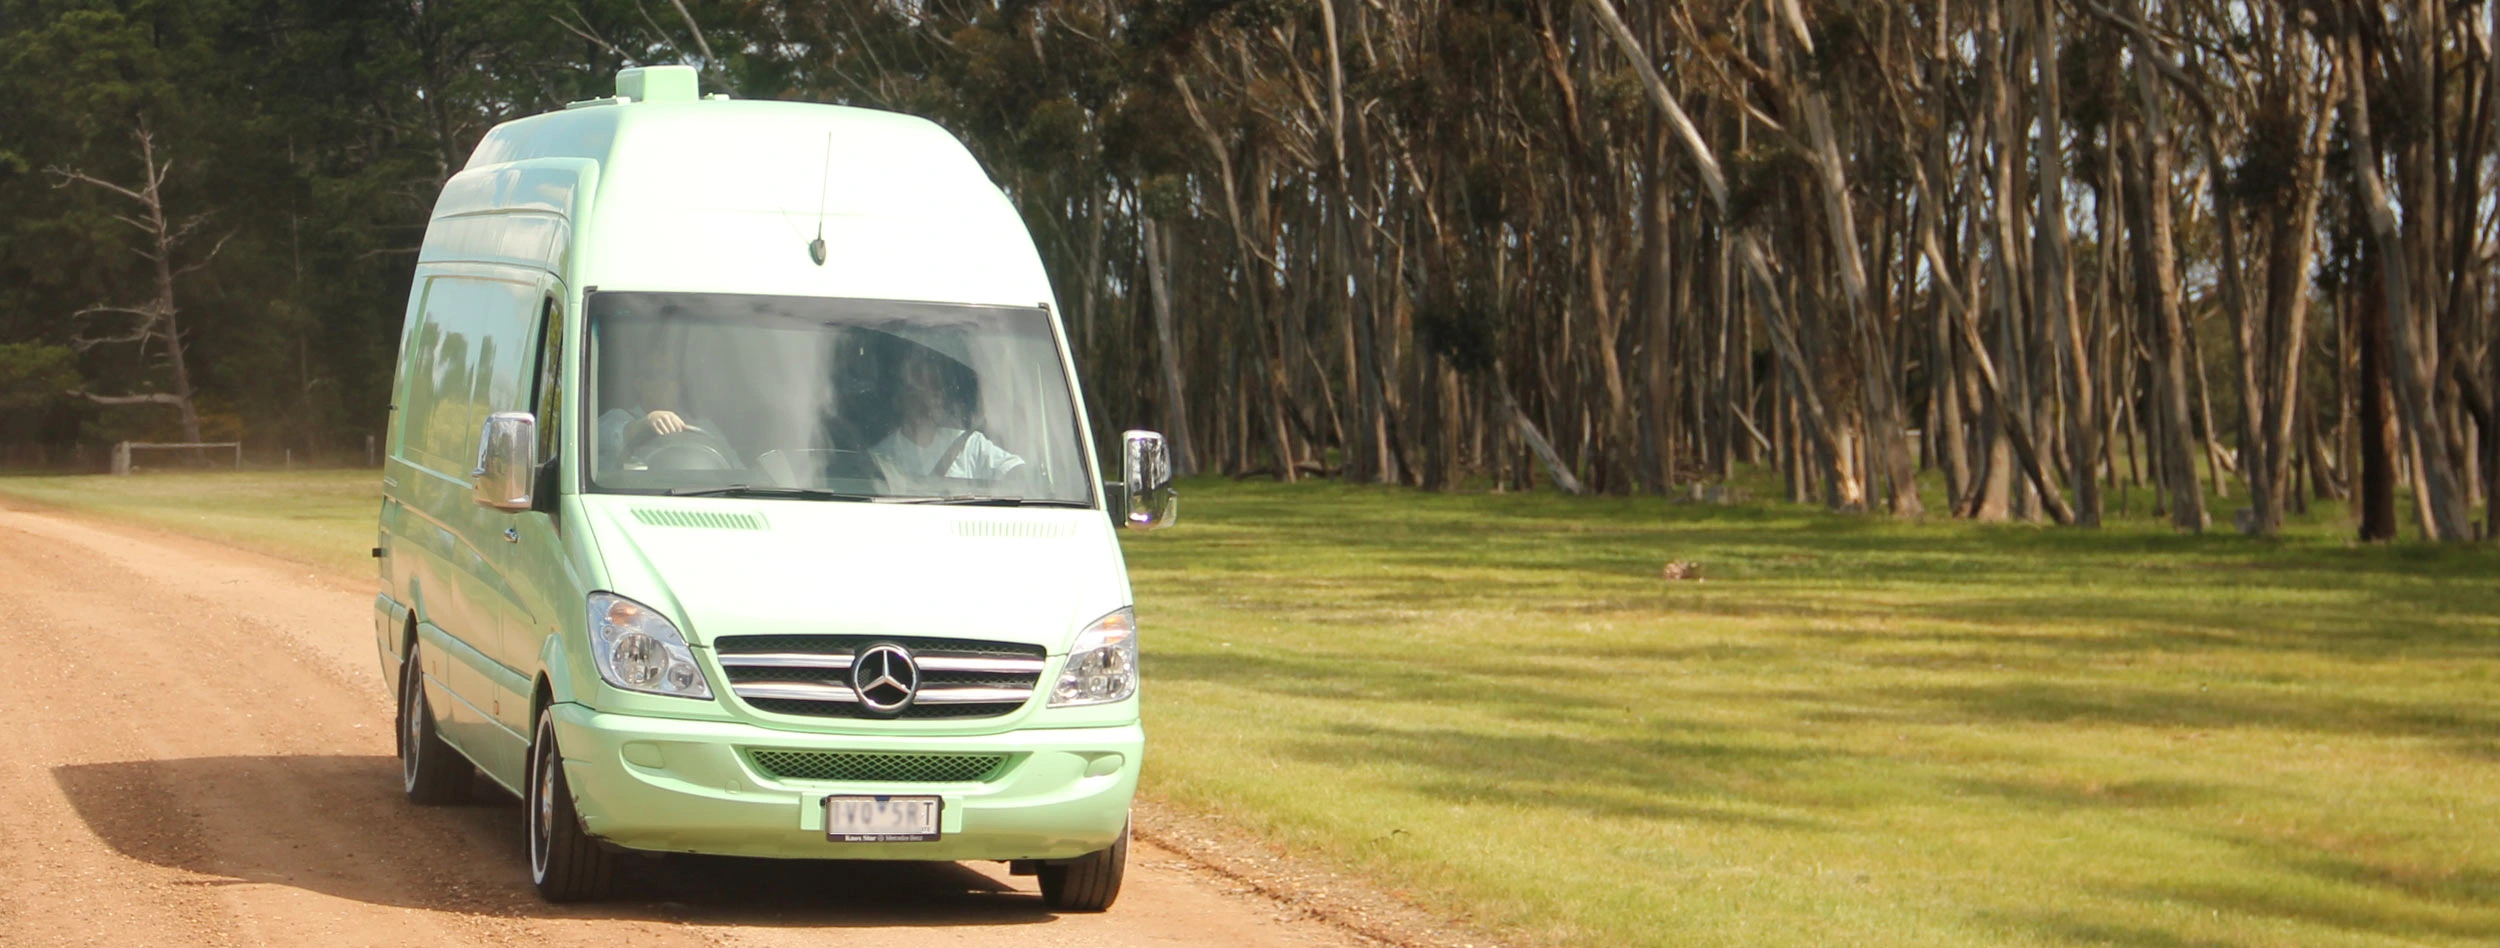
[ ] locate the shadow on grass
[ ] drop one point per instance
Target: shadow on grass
(2309, 885)
(1677, 780)
(2073, 929)
(2351, 891)
(1967, 634)
(2479, 748)
(2047, 702)
(1521, 688)
(2125, 794)
(2352, 622)
(2336, 908)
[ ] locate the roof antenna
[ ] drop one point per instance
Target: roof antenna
(816, 247)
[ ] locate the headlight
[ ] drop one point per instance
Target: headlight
(638, 649)
(1102, 666)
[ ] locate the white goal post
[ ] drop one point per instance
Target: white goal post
(122, 451)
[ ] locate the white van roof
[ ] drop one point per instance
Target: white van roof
(709, 193)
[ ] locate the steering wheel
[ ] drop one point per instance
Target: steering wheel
(690, 450)
(889, 475)
(1019, 481)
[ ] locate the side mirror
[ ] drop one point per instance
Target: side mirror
(507, 462)
(1147, 500)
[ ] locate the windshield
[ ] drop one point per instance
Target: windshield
(830, 399)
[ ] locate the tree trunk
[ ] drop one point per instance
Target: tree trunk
(2408, 354)
(1167, 339)
(2148, 186)
(1874, 360)
(2013, 422)
(158, 321)
(1816, 423)
(2056, 283)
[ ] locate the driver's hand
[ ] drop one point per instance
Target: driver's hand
(665, 423)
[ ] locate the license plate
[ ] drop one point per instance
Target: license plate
(882, 819)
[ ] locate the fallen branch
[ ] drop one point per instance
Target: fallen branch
(1543, 449)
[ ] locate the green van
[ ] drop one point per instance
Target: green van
(739, 501)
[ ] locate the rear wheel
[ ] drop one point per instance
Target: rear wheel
(1088, 883)
(429, 770)
(566, 864)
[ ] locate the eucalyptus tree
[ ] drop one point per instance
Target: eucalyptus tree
(2039, 251)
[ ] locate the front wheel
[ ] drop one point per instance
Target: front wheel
(429, 770)
(1088, 883)
(565, 863)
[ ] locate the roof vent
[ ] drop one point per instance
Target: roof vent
(657, 84)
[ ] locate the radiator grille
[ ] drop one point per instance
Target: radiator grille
(810, 675)
(876, 768)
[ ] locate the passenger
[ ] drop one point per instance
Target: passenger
(923, 445)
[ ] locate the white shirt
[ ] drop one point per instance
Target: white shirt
(981, 458)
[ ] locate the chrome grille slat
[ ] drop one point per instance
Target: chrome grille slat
(795, 690)
(785, 660)
(847, 644)
(971, 695)
(991, 666)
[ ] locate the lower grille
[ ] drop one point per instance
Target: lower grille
(811, 675)
(876, 768)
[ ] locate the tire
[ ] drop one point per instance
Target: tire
(430, 771)
(1088, 883)
(565, 863)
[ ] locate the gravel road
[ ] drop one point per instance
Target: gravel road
(199, 753)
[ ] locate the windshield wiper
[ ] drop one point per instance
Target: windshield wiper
(750, 490)
(976, 500)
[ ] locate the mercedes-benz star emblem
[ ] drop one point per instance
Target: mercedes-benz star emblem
(885, 677)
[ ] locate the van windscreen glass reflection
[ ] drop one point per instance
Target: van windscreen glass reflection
(830, 399)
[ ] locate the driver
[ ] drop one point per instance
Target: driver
(632, 425)
(923, 445)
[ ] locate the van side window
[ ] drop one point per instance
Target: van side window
(416, 375)
(471, 358)
(547, 400)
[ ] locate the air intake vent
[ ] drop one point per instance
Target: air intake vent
(1013, 529)
(698, 519)
(876, 768)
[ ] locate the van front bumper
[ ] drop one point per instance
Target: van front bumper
(668, 785)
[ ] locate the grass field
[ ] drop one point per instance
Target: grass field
(324, 518)
(1850, 731)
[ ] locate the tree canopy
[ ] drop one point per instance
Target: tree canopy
(2045, 249)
